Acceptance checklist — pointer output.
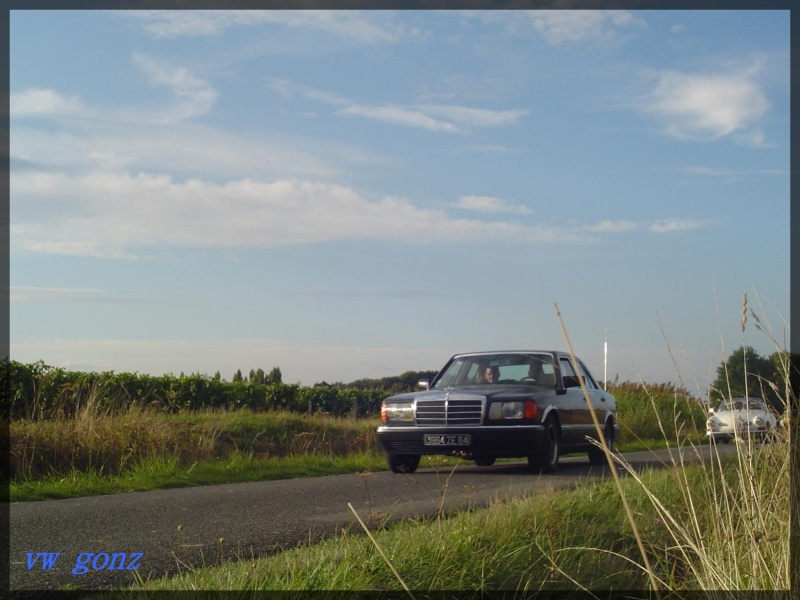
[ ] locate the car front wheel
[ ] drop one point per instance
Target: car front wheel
(402, 463)
(546, 458)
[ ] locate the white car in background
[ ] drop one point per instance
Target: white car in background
(740, 418)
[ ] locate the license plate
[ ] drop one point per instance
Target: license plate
(447, 440)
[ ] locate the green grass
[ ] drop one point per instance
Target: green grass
(558, 540)
(160, 473)
(165, 473)
(97, 452)
(142, 451)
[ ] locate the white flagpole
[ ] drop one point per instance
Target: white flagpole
(605, 361)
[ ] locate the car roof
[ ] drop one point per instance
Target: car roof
(510, 352)
(742, 399)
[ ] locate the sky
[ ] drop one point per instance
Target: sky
(356, 194)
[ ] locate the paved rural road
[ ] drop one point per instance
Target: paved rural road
(195, 526)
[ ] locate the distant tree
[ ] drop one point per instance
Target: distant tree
(747, 373)
(785, 366)
(217, 376)
(274, 376)
(238, 375)
(407, 382)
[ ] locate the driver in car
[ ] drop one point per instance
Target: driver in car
(489, 375)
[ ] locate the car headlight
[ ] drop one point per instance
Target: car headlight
(394, 412)
(712, 424)
(758, 421)
(505, 410)
(518, 409)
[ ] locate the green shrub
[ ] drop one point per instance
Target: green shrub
(643, 411)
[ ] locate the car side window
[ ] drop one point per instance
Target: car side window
(588, 380)
(566, 368)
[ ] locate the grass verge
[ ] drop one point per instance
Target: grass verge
(561, 540)
(166, 473)
(161, 473)
(144, 450)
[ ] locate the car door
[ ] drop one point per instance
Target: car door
(597, 397)
(580, 423)
(574, 412)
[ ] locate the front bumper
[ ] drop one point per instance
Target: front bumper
(744, 430)
(507, 441)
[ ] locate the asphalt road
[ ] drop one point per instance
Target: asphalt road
(176, 529)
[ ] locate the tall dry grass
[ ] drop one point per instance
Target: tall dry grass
(732, 529)
(110, 443)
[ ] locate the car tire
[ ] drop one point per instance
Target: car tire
(596, 455)
(403, 463)
(484, 461)
(545, 460)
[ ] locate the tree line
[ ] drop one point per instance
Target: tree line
(747, 373)
(37, 391)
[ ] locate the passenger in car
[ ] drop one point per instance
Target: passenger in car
(537, 373)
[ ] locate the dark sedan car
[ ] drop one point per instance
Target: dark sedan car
(489, 405)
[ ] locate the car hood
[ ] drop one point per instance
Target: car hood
(730, 416)
(497, 391)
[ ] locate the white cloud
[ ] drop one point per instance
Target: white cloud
(663, 226)
(116, 215)
(709, 107)
(450, 118)
(369, 27)
(609, 226)
(579, 26)
(182, 147)
(474, 117)
(36, 102)
(729, 175)
(671, 225)
(194, 96)
(489, 204)
(398, 115)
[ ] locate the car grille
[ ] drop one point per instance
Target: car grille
(450, 412)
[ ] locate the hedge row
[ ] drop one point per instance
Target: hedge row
(38, 392)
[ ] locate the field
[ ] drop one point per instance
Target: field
(100, 449)
(682, 529)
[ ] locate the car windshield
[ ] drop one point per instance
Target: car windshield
(503, 368)
(740, 404)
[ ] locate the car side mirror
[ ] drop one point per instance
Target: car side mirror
(571, 381)
(423, 384)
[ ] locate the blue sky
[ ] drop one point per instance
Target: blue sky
(357, 194)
